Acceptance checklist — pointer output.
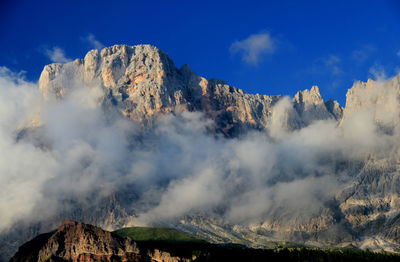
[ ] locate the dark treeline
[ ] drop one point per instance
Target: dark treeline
(214, 252)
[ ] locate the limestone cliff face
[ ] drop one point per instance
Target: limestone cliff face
(366, 212)
(75, 241)
(142, 82)
(370, 204)
(380, 98)
(310, 106)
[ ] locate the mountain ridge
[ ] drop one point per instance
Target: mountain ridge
(143, 80)
(75, 241)
(359, 158)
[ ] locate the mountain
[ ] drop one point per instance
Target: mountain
(211, 160)
(142, 82)
(74, 241)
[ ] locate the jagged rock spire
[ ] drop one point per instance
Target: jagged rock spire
(143, 82)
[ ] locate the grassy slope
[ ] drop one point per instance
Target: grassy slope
(166, 239)
(157, 234)
(194, 249)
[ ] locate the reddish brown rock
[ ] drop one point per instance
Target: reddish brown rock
(75, 241)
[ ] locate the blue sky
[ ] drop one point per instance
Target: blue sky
(266, 47)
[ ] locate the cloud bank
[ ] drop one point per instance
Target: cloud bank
(83, 154)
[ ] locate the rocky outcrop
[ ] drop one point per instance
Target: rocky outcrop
(75, 241)
(380, 98)
(310, 106)
(335, 109)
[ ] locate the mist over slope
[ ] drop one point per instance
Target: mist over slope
(125, 138)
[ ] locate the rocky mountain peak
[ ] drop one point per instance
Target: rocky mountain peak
(142, 82)
(309, 97)
(334, 108)
(112, 67)
(76, 241)
(381, 98)
(310, 106)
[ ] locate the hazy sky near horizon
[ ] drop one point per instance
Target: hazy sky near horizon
(266, 47)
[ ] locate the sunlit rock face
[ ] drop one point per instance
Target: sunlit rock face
(378, 99)
(371, 203)
(142, 82)
(378, 95)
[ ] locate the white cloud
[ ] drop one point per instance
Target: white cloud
(362, 54)
(332, 64)
(254, 47)
(326, 65)
(96, 44)
(378, 72)
(331, 60)
(57, 55)
(177, 167)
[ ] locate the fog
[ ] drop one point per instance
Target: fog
(74, 149)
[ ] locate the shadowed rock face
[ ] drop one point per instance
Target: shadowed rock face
(74, 241)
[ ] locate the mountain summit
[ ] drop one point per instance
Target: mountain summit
(142, 81)
(164, 146)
